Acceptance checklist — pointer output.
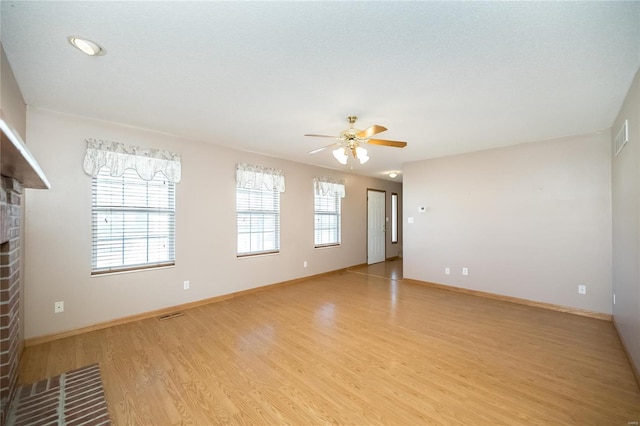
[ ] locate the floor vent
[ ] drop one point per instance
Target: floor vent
(622, 137)
(170, 316)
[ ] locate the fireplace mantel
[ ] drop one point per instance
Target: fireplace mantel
(16, 160)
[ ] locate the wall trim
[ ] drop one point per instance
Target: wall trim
(33, 341)
(634, 368)
(519, 301)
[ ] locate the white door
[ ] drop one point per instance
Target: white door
(375, 226)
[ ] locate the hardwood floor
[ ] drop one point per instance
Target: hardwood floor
(390, 269)
(353, 348)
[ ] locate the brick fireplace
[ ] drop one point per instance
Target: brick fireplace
(18, 170)
(10, 342)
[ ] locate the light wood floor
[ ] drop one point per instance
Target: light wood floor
(390, 269)
(352, 348)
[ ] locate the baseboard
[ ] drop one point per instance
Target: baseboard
(33, 341)
(494, 296)
(634, 368)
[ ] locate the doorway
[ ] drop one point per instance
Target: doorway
(376, 226)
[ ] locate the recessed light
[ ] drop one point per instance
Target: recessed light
(393, 175)
(86, 46)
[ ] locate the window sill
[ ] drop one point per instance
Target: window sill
(327, 246)
(130, 270)
(262, 253)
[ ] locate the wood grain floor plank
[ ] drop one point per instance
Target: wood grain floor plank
(355, 348)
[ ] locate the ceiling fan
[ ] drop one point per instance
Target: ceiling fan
(350, 140)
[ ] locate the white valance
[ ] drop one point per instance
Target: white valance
(119, 157)
(328, 186)
(257, 177)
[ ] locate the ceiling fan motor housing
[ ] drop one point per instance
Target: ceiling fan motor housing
(351, 133)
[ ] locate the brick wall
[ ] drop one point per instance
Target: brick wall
(10, 227)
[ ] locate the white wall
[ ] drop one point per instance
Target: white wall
(58, 228)
(626, 225)
(530, 221)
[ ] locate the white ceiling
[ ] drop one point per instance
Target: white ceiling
(447, 77)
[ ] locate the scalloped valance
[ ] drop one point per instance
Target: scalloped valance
(256, 177)
(329, 187)
(119, 157)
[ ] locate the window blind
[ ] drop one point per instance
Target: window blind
(133, 222)
(327, 219)
(258, 221)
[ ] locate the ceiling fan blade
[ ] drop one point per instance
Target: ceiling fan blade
(322, 136)
(315, 151)
(396, 144)
(367, 133)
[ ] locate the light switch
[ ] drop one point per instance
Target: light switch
(409, 220)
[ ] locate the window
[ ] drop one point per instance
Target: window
(133, 222)
(394, 218)
(327, 219)
(328, 194)
(258, 209)
(258, 215)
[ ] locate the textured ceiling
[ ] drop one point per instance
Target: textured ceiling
(447, 77)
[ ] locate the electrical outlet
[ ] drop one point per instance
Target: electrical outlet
(614, 298)
(465, 271)
(186, 285)
(447, 271)
(304, 264)
(58, 307)
(582, 289)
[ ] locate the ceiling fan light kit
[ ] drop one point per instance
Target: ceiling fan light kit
(340, 155)
(361, 154)
(351, 139)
